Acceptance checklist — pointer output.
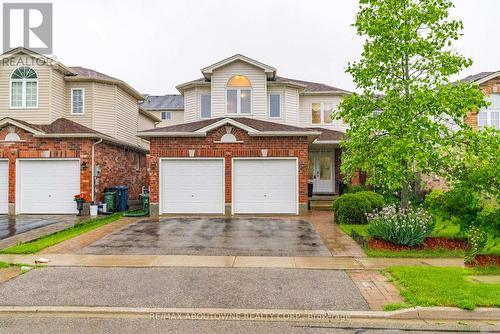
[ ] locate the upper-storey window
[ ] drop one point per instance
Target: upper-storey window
(77, 101)
(239, 95)
(491, 115)
(205, 106)
(166, 115)
(24, 88)
(274, 105)
(321, 113)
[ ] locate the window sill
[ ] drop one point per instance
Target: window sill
(77, 114)
(23, 108)
(229, 142)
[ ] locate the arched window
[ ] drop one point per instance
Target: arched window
(239, 95)
(24, 88)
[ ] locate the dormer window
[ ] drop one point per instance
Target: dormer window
(24, 88)
(239, 95)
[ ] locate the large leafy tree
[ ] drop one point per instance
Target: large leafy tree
(406, 118)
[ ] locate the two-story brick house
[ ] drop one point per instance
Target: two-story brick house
(63, 131)
(249, 143)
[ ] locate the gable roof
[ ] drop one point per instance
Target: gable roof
(481, 77)
(253, 126)
(87, 74)
(163, 102)
(52, 62)
(269, 70)
(64, 128)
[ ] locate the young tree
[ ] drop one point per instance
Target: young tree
(406, 118)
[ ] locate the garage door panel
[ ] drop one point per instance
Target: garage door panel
(4, 187)
(47, 186)
(265, 186)
(192, 186)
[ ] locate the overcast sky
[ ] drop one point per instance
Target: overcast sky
(156, 45)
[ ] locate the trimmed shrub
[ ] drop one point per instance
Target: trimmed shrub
(401, 227)
(352, 208)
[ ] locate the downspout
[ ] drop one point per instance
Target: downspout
(93, 168)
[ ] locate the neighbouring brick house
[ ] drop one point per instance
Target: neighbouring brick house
(249, 143)
(63, 131)
(489, 83)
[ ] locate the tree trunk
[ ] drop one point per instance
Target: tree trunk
(405, 192)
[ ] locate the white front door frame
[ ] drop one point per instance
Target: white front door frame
(297, 180)
(322, 186)
(160, 178)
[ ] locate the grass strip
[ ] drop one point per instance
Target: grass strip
(442, 286)
(37, 245)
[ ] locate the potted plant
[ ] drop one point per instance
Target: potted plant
(79, 199)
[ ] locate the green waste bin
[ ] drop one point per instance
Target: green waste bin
(109, 199)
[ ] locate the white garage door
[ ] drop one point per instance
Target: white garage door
(47, 186)
(265, 186)
(192, 186)
(4, 186)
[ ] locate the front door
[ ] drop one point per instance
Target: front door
(321, 167)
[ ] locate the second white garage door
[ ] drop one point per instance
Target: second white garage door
(4, 186)
(192, 186)
(47, 186)
(265, 186)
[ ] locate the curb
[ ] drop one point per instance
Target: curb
(418, 313)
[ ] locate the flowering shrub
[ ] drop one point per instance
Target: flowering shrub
(476, 240)
(401, 227)
(79, 197)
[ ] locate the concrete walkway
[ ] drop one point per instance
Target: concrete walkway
(335, 263)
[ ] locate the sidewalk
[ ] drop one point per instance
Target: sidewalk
(335, 263)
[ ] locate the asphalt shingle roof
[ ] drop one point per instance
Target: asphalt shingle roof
(253, 123)
(163, 102)
(89, 73)
(476, 77)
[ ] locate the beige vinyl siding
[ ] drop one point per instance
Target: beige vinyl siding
(190, 106)
(257, 78)
(145, 123)
(291, 98)
(306, 102)
(40, 115)
(86, 118)
(127, 117)
(104, 107)
(57, 95)
(177, 117)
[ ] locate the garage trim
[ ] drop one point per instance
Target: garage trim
(8, 174)
(18, 181)
(266, 158)
(160, 180)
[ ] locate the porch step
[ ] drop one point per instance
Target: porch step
(322, 203)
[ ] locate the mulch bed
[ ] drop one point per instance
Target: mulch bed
(485, 260)
(429, 243)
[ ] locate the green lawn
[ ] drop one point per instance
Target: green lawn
(55, 238)
(4, 265)
(436, 286)
(424, 253)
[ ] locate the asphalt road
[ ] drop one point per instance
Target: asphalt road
(134, 326)
(184, 288)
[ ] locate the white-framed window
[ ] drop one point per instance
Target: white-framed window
(321, 113)
(77, 101)
(24, 88)
(166, 115)
(205, 106)
(491, 115)
(275, 105)
(239, 95)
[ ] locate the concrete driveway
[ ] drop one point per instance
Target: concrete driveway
(245, 288)
(12, 227)
(214, 236)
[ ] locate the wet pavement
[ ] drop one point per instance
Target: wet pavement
(14, 225)
(241, 288)
(213, 236)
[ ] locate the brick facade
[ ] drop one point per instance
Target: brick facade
(489, 87)
(247, 146)
(116, 163)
